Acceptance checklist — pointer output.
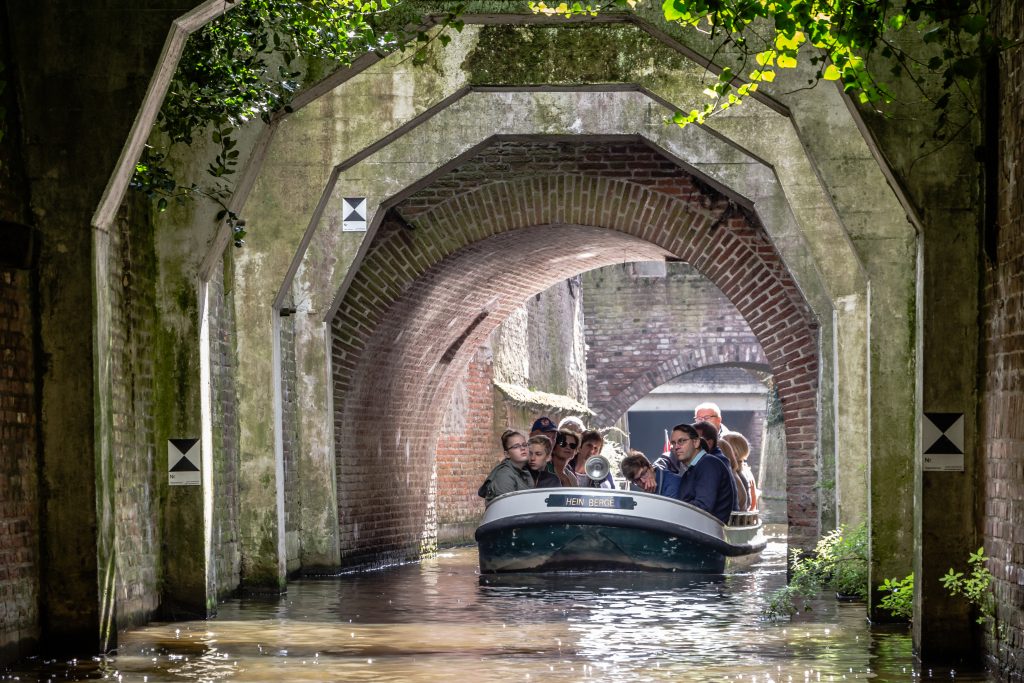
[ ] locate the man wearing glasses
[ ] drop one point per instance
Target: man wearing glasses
(707, 482)
(510, 474)
(712, 414)
(644, 477)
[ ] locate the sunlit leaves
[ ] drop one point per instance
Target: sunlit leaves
(843, 33)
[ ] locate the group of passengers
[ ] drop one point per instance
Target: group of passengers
(705, 463)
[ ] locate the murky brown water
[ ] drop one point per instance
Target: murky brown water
(436, 621)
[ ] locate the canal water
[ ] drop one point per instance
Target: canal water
(439, 621)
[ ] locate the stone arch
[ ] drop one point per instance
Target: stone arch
(617, 220)
(715, 355)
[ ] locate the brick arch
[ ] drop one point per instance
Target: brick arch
(710, 356)
(390, 409)
(456, 246)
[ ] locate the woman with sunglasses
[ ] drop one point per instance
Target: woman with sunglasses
(566, 445)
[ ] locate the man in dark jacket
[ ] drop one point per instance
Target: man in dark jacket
(707, 483)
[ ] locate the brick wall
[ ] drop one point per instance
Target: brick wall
(466, 450)
(226, 553)
(1002, 391)
(643, 331)
(426, 296)
(132, 282)
(19, 498)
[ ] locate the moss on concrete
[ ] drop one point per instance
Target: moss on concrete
(571, 54)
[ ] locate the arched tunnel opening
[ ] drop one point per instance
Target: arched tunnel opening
(456, 257)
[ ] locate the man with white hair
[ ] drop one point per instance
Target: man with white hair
(709, 412)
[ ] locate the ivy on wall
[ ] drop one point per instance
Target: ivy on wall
(765, 36)
(249, 63)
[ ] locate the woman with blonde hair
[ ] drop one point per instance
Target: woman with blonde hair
(741, 449)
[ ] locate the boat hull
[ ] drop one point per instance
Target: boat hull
(590, 529)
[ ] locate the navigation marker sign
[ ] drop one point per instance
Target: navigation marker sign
(942, 442)
(183, 462)
(353, 214)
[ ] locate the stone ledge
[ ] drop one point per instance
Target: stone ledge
(522, 396)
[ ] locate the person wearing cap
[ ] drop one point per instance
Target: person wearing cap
(544, 425)
(707, 482)
(510, 474)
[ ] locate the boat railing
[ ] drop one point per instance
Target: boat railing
(743, 518)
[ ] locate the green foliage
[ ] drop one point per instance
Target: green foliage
(898, 598)
(248, 64)
(769, 36)
(804, 584)
(975, 586)
(839, 561)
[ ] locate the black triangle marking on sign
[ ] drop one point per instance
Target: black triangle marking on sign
(943, 420)
(943, 446)
(183, 445)
(355, 216)
(184, 465)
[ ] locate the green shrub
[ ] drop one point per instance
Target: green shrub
(976, 586)
(899, 596)
(839, 561)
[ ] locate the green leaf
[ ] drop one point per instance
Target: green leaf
(785, 62)
(831, 73)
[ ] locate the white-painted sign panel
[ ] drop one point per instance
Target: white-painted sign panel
(183, 462)
(353, 214)
(942, 442)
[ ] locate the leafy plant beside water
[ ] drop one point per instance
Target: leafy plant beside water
(898, 598)
(975, 586)
(839, 561)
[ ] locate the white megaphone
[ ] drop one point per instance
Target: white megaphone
(597, 468)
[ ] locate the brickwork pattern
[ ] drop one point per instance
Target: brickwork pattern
(424, 296)
(226, 552)
(466, 450)
(644, 331)
(19, 491)
(137, 545)
(1002, 397)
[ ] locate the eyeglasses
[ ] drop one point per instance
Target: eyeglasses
(517, 445)
(564, 441)
(639, 477)
(680, 442)
(709, 416)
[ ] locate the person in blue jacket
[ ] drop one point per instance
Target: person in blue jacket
(645, 477)
(707, 482)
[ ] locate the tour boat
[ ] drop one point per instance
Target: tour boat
(573, 529)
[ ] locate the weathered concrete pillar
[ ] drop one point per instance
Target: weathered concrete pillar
(944, 631)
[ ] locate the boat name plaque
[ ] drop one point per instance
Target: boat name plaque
(570, 500)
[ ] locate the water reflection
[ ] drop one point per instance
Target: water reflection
(439, 620)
